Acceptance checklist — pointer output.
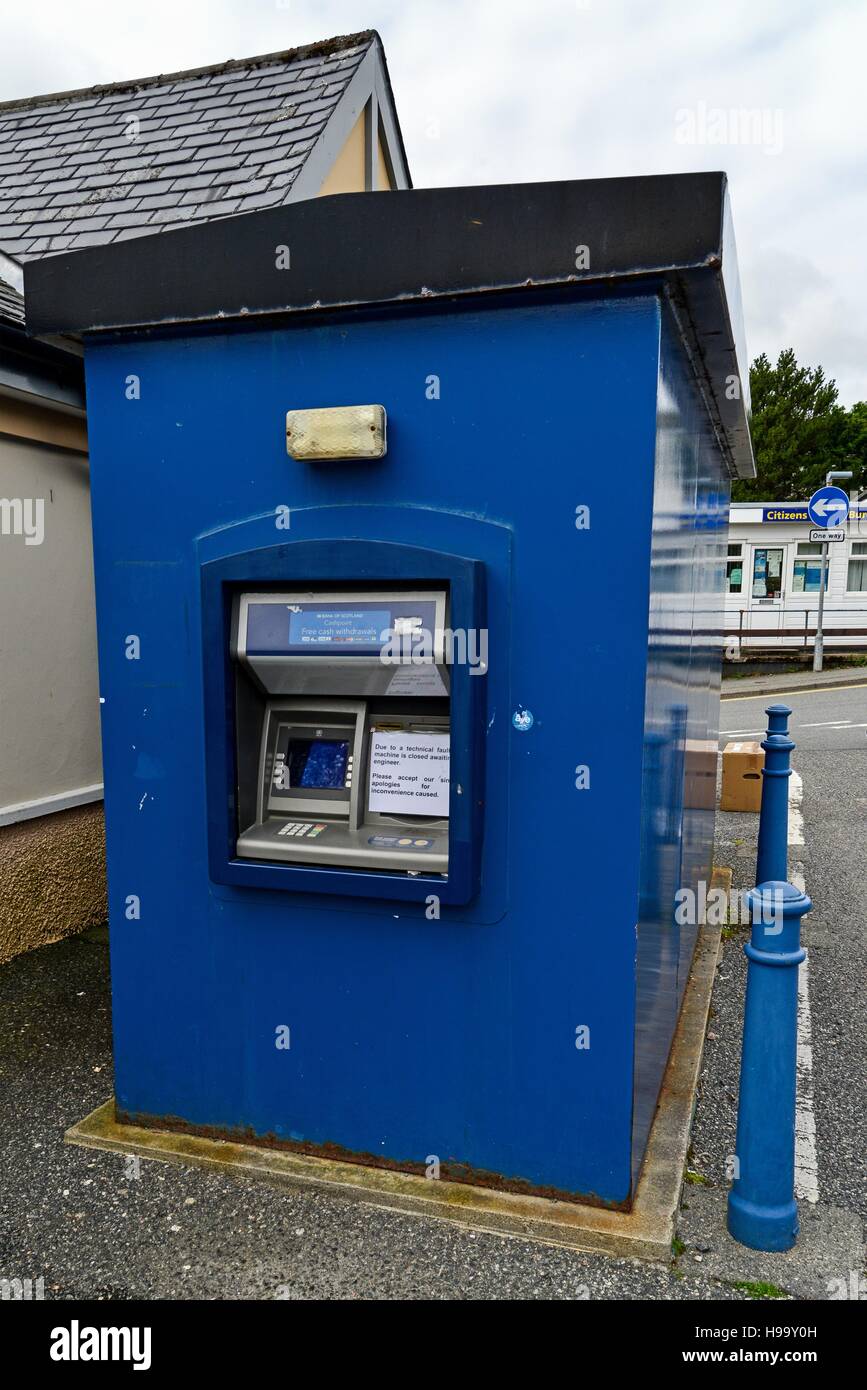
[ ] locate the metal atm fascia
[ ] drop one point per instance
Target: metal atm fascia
(294, 670)
(328, 820)
(343, 571)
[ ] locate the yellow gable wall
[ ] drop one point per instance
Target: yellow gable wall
(347, 172)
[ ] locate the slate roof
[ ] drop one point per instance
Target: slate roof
(110, 163)
(11, 304)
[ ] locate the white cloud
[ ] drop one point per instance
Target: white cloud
(794, 302)
(546, 89)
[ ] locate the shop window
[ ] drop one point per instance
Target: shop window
(857, 580)
(735, 568)
(807, 572)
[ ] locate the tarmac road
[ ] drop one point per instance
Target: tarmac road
(834, 719)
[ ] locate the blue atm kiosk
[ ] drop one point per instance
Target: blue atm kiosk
(409, 518)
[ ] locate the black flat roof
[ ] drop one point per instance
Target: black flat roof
(397, 247)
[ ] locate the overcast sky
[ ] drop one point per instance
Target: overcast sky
(495, 91)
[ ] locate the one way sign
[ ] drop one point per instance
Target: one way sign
(828, 507)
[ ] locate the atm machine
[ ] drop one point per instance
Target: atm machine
(344, 715)
(343, 729)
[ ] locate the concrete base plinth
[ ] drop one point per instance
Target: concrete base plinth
(645, 1232)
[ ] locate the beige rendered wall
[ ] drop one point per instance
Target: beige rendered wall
(52, 878)
(49, 693)
(52, 873)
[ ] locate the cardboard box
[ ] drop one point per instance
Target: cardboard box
(699, 783)
(742, 777)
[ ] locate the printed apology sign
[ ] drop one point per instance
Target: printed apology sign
(409, 774)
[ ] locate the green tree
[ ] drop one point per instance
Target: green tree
(854, 453)
(800, 431)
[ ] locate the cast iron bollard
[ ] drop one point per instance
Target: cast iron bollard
(773, 849)
(762, 1210)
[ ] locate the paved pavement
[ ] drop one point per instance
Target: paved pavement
(770, 681)
(97, 1226)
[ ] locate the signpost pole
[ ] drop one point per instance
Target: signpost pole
(833, 499)
(818, 646)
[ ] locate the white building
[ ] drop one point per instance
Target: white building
(773, 574)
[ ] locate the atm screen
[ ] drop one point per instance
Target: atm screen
(346, 629)
(317, 762)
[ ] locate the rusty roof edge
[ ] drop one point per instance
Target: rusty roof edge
(321, 48)
(441, 240)
(446, 243)
(426, 294)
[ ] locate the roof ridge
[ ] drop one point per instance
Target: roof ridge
(310, 50)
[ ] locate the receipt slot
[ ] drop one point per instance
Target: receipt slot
(360, 783)
(422, 543)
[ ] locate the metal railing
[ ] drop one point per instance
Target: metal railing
(796, 628)
(745, 631)
(755, 629)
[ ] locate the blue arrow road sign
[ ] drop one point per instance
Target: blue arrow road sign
(828, 507)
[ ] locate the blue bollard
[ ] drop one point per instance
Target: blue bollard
(762, 1210)
(773, 849)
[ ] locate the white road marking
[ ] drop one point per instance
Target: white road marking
(806, 1158)
(826, 724)
(796, 818)
(834, 728)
